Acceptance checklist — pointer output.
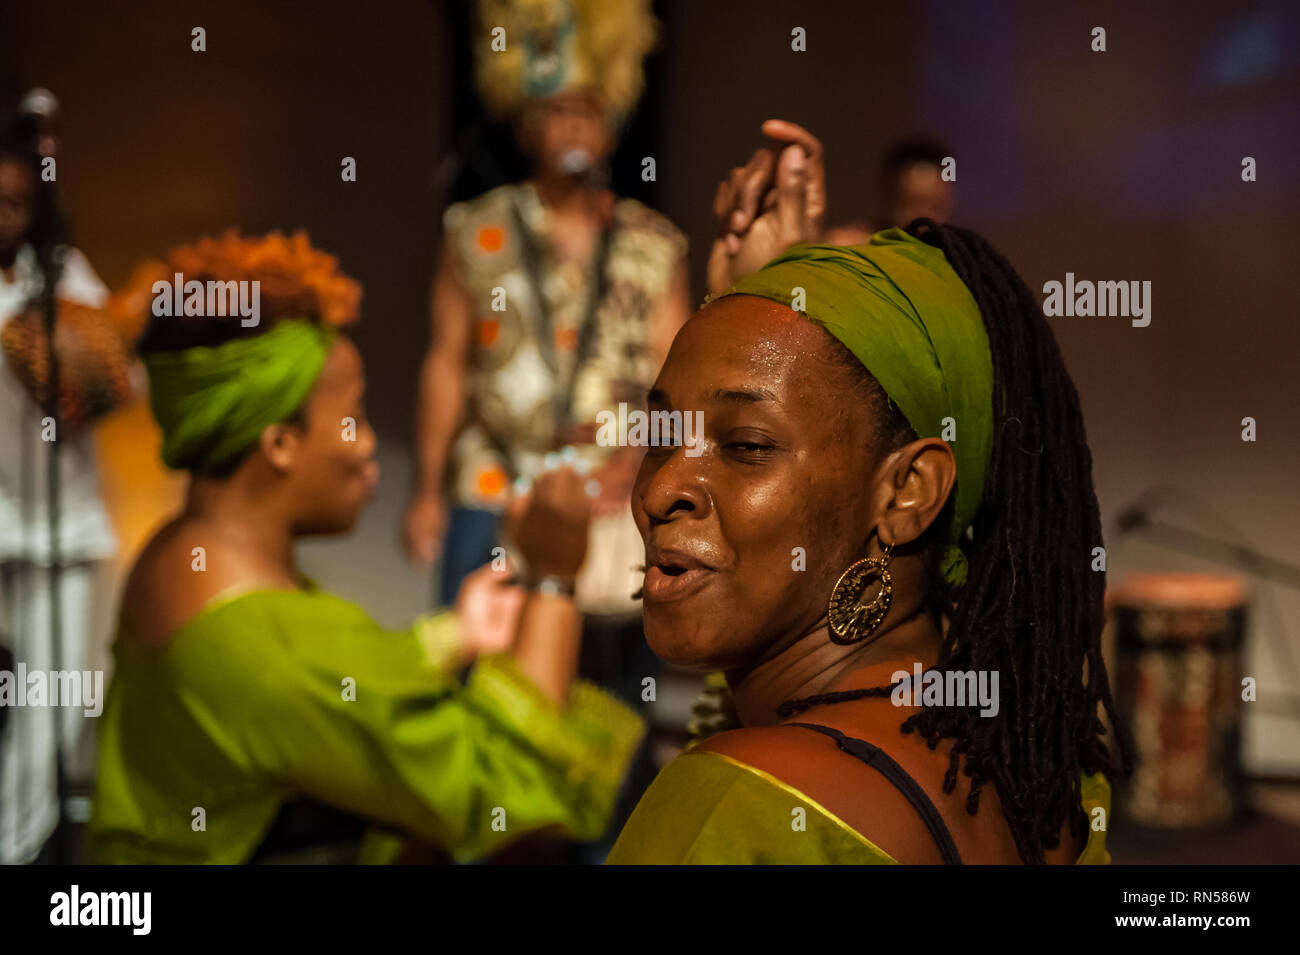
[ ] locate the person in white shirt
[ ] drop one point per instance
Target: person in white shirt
(28, 798)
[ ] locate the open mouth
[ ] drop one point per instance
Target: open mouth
(669, 577)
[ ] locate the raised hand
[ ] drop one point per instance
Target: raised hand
(772, 202)
(488, 610)
(550, 523)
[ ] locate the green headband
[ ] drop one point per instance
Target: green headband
(896, 303)
(213, 401)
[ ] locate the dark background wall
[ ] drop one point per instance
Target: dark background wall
(1115, 165)
(163, 144)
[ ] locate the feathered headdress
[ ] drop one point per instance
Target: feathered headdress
(530, 49)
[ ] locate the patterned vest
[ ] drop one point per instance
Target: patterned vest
(535, 369)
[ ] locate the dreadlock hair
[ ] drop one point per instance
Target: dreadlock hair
(1031, 607)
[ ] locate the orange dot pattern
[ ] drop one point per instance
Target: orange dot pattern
(491, 238)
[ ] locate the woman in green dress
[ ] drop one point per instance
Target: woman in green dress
(893, 482)
(252, 714)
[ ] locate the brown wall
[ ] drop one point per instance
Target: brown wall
(163, 145)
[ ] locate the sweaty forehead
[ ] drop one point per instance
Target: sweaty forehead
(744, 337)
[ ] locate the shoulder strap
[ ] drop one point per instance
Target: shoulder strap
(596, 291)
(882, 762)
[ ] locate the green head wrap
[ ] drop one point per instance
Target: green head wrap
(213, 401)
(901, 309)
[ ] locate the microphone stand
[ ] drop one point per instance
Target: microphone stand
(1188, 541)
(51, 264)
(41, 109)
(1139, 518)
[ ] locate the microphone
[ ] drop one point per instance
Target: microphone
(39, 112)
(38, 101)
(576, 162)
(43, 108)
(582, 168)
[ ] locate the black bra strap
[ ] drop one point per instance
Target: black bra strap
(879, 760)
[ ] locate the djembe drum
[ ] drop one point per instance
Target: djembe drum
(1178, 689)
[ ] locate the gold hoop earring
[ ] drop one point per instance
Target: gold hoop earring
(852, 621)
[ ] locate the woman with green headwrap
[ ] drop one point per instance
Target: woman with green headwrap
(883, 541)
(251, 714)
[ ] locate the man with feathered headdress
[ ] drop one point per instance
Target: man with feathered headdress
(553, 300)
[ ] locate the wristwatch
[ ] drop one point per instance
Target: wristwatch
(552, 586)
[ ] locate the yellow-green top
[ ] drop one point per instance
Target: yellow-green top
(275, 695)
(710, 809)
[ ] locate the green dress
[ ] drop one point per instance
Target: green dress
(708, 808)
(277, 695)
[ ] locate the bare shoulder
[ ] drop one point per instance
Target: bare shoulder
(864, 799)
(804, 760)
(177, 574)
(763, 747)
(790, 752)
(856, 794)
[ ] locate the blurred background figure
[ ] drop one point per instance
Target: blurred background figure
(34, 250)
(229, 661)
(911, 185)
(554, 300)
